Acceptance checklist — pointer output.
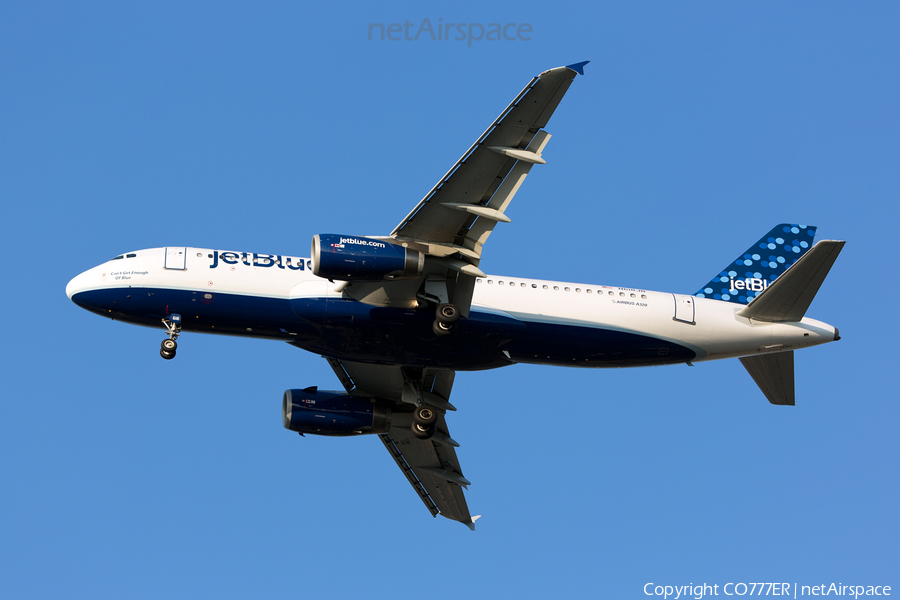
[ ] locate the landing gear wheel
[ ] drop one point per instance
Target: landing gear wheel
(172, 323)
(447, 314)
(440, 329)
(445, 317)
(423, 433)
(425, 416)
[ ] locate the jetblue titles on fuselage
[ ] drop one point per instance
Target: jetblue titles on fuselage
(259, 260)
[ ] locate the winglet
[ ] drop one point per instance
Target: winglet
(578, 67)
(471, 525)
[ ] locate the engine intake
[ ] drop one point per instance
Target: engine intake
(333, 413)
(354, 258)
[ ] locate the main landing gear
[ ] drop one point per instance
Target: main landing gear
(445, 319)
(424, 418)
(168, 346)
(427, 393)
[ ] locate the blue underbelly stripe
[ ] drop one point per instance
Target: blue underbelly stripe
(350, 330)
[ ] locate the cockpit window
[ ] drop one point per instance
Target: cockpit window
(118, 257)
(130, 255)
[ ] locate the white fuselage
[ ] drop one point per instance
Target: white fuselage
(243, 294)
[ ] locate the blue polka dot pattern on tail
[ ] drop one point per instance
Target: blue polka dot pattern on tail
(752, 272)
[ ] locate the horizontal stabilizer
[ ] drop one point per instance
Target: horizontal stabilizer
(774, 374)
(788, 297)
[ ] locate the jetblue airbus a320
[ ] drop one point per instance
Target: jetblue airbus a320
(397, 316)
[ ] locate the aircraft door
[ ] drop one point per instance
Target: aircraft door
(684, 308)
(175, 258)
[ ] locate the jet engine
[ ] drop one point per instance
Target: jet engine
(354, 258)
(333, 413)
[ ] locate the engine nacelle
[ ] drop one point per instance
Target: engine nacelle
(333, 413)
(354, 258)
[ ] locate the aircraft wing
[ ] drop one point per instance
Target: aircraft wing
(431, 465)
(459, 213)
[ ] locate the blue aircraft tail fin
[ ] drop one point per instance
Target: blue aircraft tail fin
(750, 273)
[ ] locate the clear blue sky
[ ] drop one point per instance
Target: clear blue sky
(697, 127)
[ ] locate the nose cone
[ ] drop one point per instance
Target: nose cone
(80, 283)
(73, 286)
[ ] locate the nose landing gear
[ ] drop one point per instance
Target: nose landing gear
(173, 327)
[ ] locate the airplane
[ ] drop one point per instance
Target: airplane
(397, 316)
